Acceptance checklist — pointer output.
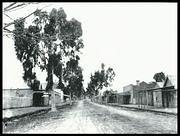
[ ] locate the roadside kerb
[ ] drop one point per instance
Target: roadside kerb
(41, 111)
(25, 114)
(142, 109)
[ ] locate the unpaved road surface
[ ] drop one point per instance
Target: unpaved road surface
(87, 117)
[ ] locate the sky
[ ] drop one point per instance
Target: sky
(136, 39)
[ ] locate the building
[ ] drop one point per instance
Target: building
(130, 90)
(166, 94)
(133, 90)
(141, 94)
(40, 96)
(43, 98)
(124, 97)
(59, 96)
(160, 94)
(152, 94)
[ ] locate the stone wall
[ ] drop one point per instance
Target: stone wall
(16, 98)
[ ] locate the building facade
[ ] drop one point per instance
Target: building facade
(133, 90)
(163, 94)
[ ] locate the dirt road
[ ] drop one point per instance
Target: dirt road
(87, 117)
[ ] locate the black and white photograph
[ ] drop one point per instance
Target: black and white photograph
(89, 68)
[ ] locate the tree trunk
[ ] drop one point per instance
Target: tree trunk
(53, 103)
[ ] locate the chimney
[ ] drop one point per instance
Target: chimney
(137, 82)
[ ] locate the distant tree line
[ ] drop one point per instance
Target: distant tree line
(101, 78)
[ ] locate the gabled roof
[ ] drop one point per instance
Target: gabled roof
(142, 86)
(159, 84)
(170, 80)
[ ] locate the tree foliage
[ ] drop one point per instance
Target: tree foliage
(73, 77)
(159, 77)
(46, 42)
(26, 48)
(107, 92)
(101, 78)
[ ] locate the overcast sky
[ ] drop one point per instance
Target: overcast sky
(136, 39)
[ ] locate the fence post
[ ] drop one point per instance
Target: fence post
(144, 99)
(147, 98)
(117, 98)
